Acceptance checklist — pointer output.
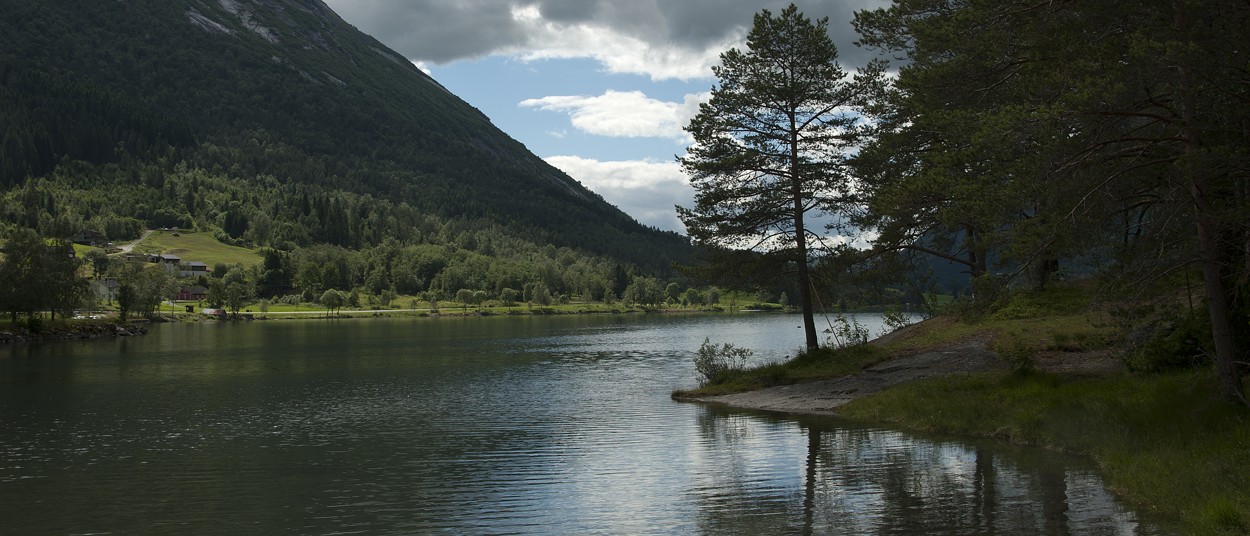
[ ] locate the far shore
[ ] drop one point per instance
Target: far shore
(106, 325)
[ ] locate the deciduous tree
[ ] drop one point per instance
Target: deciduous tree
(38, 275)
(240, 289)
(332, 300)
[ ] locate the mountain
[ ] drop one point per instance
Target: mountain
(286, 96)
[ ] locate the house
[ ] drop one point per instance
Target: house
(169, 262)
(57, 247)
(214, 313)
(192, 269)
(191, 294)
(106, 289)
(90, 237)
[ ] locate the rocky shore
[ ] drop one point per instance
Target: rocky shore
(910, 362)
(95, 330)
(825, 396)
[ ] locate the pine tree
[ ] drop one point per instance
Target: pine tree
(770, 145)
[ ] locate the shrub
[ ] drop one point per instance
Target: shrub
(758, 306)
(894, 319)
(1019, 355)
(1173, 345)
(988, 292)
(713, 361)
(845, 332)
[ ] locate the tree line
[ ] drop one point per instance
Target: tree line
(42, 276)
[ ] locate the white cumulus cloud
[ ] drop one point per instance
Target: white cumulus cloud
(644, 189)
(625, 114)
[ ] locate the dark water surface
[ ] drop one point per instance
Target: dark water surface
(552, 425)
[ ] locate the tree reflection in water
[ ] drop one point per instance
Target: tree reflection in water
(846, 478)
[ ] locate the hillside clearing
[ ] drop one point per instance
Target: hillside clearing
(201, 247)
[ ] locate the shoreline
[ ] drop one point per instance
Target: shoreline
(824, 397)
(1161, 441)
(245, 316)
(72, 331)
(101, 329)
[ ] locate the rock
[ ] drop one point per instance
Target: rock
(77, 331)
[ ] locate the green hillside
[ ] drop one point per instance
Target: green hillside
(272, 122)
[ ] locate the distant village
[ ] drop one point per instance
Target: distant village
(106, 289)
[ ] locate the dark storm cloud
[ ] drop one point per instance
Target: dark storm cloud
(436, 31)
(440, 31)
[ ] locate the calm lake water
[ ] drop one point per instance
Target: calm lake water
(480, 426)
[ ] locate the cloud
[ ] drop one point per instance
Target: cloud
(662, 40)
(644, 189)
(435, 31)
(617, 50)
(625, 114)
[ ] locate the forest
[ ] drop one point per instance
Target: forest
(1025, 140)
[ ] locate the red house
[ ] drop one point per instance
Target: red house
(191, 294)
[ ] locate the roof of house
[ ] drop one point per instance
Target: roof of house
(194, 290)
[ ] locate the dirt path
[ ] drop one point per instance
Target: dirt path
(824, 397)
(131, 246)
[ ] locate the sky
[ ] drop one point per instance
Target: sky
(600, 89)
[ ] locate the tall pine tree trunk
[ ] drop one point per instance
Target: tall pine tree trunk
(805, 282)
(1209, 229)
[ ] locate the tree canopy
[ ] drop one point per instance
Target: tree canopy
(37, 275)
(1028, 132)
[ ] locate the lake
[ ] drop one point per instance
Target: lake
(495, 425)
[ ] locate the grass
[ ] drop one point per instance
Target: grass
(202, 247)
(1040, 333)
(81, 250)
(807, 366)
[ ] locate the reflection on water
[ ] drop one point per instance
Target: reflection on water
(859, 480)
(500, 425)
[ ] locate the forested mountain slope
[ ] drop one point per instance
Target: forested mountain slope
(148, 107)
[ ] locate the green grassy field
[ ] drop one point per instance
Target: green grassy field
(81, 250)
(200, 247)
